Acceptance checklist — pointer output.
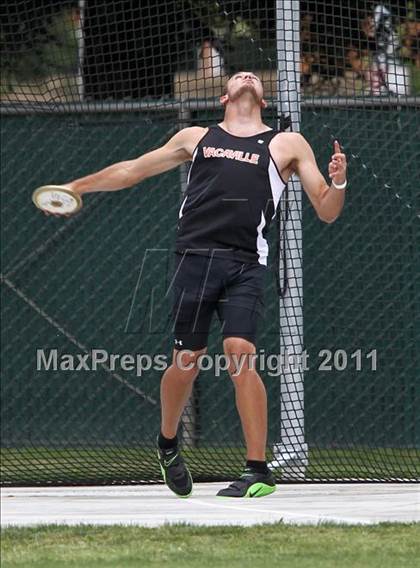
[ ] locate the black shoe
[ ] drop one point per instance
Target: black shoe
(174, 471)
(250, 484)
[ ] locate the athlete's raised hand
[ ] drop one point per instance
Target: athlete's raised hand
(337, 168)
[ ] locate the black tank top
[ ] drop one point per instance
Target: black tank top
(233, 190)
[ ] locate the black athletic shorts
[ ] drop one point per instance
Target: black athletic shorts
(202, 285)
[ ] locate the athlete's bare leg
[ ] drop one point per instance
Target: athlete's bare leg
(251, 396)
(175, 389)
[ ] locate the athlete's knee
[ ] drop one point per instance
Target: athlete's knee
(241, 355)
(238, 345)
(186, 362)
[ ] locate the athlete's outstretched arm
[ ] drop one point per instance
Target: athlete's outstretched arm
(327, 201)
(128, 173)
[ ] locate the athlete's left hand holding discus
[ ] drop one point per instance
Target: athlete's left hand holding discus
(241, 162)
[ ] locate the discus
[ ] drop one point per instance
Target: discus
(57, 199)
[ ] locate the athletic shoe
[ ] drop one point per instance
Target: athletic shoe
(175, 473)
(250, 484)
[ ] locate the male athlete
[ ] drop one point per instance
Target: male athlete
(239, 169)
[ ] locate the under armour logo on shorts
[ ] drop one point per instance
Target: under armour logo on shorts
(178, 341)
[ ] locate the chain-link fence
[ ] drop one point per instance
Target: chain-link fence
(98, 280)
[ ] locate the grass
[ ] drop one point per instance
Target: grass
(323, 546)
(38, 465)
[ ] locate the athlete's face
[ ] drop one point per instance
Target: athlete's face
(244, 83)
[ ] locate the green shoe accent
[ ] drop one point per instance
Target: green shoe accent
(256, 490)
(250, 484)
(163, 472)
(164, 479)
(260, 490)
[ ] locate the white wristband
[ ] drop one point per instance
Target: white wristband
(339, 186)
